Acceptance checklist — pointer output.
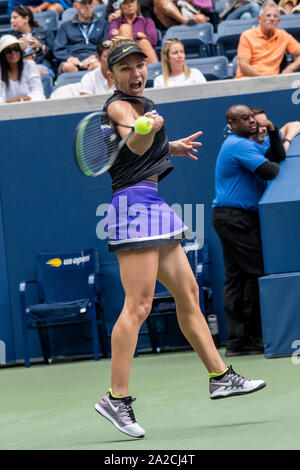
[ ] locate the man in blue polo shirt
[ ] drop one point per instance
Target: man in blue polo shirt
(242, 170)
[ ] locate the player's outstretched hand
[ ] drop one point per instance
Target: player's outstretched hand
(186, 147)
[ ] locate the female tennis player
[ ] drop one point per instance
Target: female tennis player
(153, 251)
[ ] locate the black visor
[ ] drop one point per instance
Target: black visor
(123, 51)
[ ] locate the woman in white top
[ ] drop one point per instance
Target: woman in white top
(174, 69)
(20, 79)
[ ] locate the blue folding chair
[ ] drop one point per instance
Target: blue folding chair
(68, 292)
(163, 302)
(213, 68)
(228, 35)
(47, 83)
(47, 19)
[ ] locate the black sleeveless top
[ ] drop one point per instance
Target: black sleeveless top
(130, 168)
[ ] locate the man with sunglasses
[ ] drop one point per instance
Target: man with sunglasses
(242, 170)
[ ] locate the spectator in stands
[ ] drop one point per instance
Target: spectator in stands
(287, 132)
(146, 8)
(38, 5)
(76, 41)
(131, 25)
(174, 69)
(38, 40)
(262, 49)
(21, 78)
(242, 170)
(237, 9)
(170, 15)
(287, 7)
(98, 81)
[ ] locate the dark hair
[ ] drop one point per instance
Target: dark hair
(5, 67)
(256, 111)
(25, 11)
(103, 46)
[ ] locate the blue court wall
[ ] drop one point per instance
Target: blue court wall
(47, 205)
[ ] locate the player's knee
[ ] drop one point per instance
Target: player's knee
(143, 309)
(190, 300)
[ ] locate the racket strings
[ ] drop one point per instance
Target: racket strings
(96, 144)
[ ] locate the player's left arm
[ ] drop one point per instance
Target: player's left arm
(186, 147)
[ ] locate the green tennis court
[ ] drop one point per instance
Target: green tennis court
(52, 407)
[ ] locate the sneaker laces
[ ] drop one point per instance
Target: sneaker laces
(127, 408)
(236, 378)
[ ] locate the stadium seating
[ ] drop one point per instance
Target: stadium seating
(228, 35)
(69, 77)
(153, 71)
(197, 39)
(67, 295)
(213, 68)
(203, 31)
(291, 24)
(47, 83)
(67, 15)
(47, 19)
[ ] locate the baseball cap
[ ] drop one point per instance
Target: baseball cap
(123, 51)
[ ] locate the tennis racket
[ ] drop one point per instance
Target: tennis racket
(97, 144)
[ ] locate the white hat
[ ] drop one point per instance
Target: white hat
(8, 40)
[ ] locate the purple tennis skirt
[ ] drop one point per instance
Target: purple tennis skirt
(138, 218)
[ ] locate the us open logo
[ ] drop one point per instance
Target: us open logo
(57, 262)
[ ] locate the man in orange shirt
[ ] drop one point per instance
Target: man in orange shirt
(261, 49)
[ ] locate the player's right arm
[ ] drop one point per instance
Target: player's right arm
(125, 113)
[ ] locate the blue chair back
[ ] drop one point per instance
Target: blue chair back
(63, 277)
(153, 71)
(47, 83)
(67, 15)
(213, 68)
(228, 35)
(47, 19)
(204, 32)
(196, 39)
(69, 77)
(291, 24)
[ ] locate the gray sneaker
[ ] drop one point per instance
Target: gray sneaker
(232, 384)
(120, 413)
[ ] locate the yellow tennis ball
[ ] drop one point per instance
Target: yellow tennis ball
(143, 125)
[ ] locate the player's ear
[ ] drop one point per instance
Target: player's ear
(111, 76)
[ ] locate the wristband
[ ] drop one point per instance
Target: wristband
(286, 140)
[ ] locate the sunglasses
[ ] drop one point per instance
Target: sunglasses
(106, 44)
(9, 50)
(173, 40)
(26, 10)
